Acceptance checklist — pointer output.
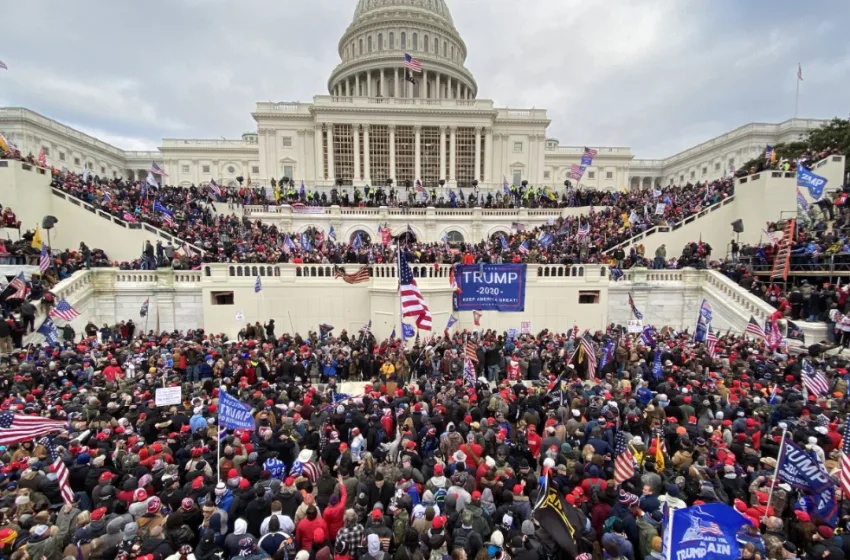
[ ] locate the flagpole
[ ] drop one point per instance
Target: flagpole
(218, 433)
(775, 471)
(797, 97)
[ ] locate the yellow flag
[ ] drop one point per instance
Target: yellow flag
(659, 456)
(626, 222)
(3, 144)
(36, 239)
(580, 354)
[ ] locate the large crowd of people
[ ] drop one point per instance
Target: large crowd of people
(429, 462)
(232, 239)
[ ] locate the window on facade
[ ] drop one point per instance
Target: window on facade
(380, 41)
(255, 169)
(453, 52)
(205, 168)
(90, 165)
(591, 174)
(221, 298)
(517, 177)
(231, 169)
(609, 174)
(184, 169)
(46, 151)
(61, 156)
(681, 178)
(360, 47)
(76, 161)
(415, 42)
(717, 166)
(392, 41)
(693, 174)
(588, 297)
(436, 46)
(445, 49)
(704, 170)
(425, 44)
(547, 174)
(286, 141)
(103, 171)
(287, 171)
(369, 43)
(517, 147)
(403, 40)
(731, 162)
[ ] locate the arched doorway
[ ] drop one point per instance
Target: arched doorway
(406, 236)
(365, 237)
(454, 238)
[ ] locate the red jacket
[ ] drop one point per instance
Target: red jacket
(333, 514)
(304, 531)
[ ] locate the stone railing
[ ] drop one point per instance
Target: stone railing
(285, 210)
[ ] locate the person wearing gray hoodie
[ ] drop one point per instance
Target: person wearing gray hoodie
(373, 549)
(114, 534)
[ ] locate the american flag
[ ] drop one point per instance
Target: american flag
(215, 188)
(144, 310)
(772, 237)
(64, 311)
(412, 64)
(468, 371)
(44, 259)
(20, 286)
(367, 327)
(799, 71)
(418, 186)
(167, 215)
(157, 170)
(412, 302)
(470, 350)
(638, 315)
(583, 231)
(754, 328)
(589, 152)
(476, 318)
(358, 277)
(60, 469)
(815, 381)
(288, 244)
(844, 475)
(590, 355)
(624, 462)
(42, 158)
(523, 248)
(15, 428)
(576, 171)
(3, 65)
(711, 342)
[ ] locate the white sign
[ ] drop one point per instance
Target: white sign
(525, 327)
(240, 317)
(166, 396)
(635, 326)
(512, 333)
(659, 208)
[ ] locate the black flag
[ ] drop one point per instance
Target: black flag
(561, 520)
(409, 77)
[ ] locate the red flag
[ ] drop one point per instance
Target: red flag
(476, 317)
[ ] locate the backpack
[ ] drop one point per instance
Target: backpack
(461, 539)
(595, 490)
(608, 526)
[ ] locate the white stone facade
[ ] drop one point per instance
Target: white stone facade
(376, 126)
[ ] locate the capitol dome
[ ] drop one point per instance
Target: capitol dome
(372, 51)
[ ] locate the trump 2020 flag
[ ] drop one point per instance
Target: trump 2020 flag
(703, 321)
(704, 531)
(49, 332)
(233, 413)
(407, 331)
(815, 183)
(801, 469)
(657, 371)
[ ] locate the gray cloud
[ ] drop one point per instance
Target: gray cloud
(656, 75)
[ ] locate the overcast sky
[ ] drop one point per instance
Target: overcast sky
(656, 75)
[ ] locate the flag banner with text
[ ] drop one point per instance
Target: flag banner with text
(233, 413)
(705, 531)
(490, 287)
(802, 469)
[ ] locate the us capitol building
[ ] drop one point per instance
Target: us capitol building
(375, 125)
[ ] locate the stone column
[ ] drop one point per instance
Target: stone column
(367, 164)
(437, 87)
(392, 151)
(442, 152)
(418, 151)
(459, 88)
(423, 85)
(320, 156)
(368, 83)
(449, 94)
(488, 156)
(331, 170)
(477, 174)
(357, 85)
(452, 155)
(356, 129)
(395, 83)
(347, 87)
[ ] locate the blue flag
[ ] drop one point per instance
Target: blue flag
(801, 469)
(407, 331)
(503, 241)
(392, 334)
(305, 242)
(607, 354)
(656, 364)
(302, 191)
(452, 321)
(357, 243)
(705, 531)
(703, 321)
(452, 195)
(648, 336)
(616, 274)
(802, 203)
(232, 413)
(815, 183)
(49, 332)
(332, 234)
(821, 506)
(258, 285)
